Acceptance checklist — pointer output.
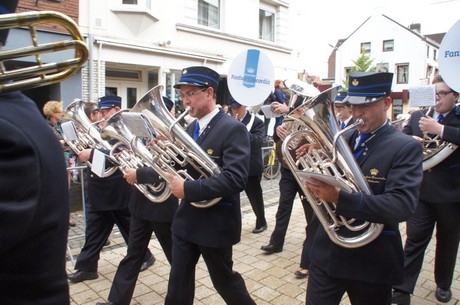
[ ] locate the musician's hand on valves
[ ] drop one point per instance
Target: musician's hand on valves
(421, 140)
(323, 190)
(176, 185)
(281, 131)
(305, 149)
(430, 125)
(84, 154)
(130, 175)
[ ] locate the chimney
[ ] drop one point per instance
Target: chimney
(416, 27)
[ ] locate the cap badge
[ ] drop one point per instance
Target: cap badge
(184, 72)
(210, 152)
(355, 82)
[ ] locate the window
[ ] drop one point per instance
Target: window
(388, 45)
(427, 51)
(435, 54)
(382, 67)
(208, 13)
(142, 3)
(397, 107)
(266, 25)
(129, 1)
(402, 73)
(365, 48)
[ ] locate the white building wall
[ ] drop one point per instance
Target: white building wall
(408, 48)
(168, 38)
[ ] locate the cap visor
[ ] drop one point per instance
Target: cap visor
(179, 84)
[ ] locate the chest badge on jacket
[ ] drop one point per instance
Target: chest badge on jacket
(373, 177)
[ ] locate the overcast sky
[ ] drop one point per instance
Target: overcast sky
(330, 20)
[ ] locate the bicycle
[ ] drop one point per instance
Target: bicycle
(270, 160)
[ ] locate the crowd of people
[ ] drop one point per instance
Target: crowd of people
(382, 270)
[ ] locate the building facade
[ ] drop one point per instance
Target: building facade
(138, 44)
(394, 48)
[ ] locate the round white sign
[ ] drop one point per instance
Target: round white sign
(449, 57)
(251, 78)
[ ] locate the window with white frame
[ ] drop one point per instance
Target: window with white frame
(435, 54)
(140, 3)
(365, 48)
(402, 73)
(388, 45)
(382, 67)
(267, 23)
(209, 13)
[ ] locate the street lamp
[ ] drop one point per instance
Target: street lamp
(338, 65)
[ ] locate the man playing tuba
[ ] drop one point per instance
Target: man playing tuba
(391, 162)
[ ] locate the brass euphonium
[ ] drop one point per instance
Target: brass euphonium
(314, 122)
(87, 134)
(435, 150)
(117, 128)
(171, 150)
(41, 72)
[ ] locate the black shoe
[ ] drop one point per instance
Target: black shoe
(81, 276)
(400, 297)
(259, 230)
(443, 295)
(269, 249)
(147, 263)
(301, 273)
(108, 303)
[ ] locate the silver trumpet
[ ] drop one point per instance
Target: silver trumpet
(314, 122)
(117, 128)
(171, 149)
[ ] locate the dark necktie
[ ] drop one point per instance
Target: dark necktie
(360, 147)
(196, 132)
(342, 126)
(440, 117)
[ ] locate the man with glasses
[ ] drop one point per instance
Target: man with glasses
(342, 110)
(391, 162)
(209, 232)
(439, 203)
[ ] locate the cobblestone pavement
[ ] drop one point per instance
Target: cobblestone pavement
(270, 278)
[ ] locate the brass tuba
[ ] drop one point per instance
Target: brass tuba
(314, 122)
(41, 73)
(171, 149)
(117, 128)
(86, 133)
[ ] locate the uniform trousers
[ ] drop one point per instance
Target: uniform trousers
(288, 190)
(255, 195)
(419, 231)
(140, 233)
(99, 225)
(228, 283)
(325, 290)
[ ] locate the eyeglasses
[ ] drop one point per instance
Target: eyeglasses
(442, 94)
(189, 95)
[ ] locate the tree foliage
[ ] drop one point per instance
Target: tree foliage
(362, 64)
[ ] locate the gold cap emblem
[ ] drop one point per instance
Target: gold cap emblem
(210, 152)
(374, 172)
(355, 82)
(184, 72)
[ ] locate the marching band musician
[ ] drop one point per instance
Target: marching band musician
(439, 201)
(256, 129)
(34, 202)
(343, 110)
(108, 205)
(392, 165)
(146, 217)
(209, 232)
